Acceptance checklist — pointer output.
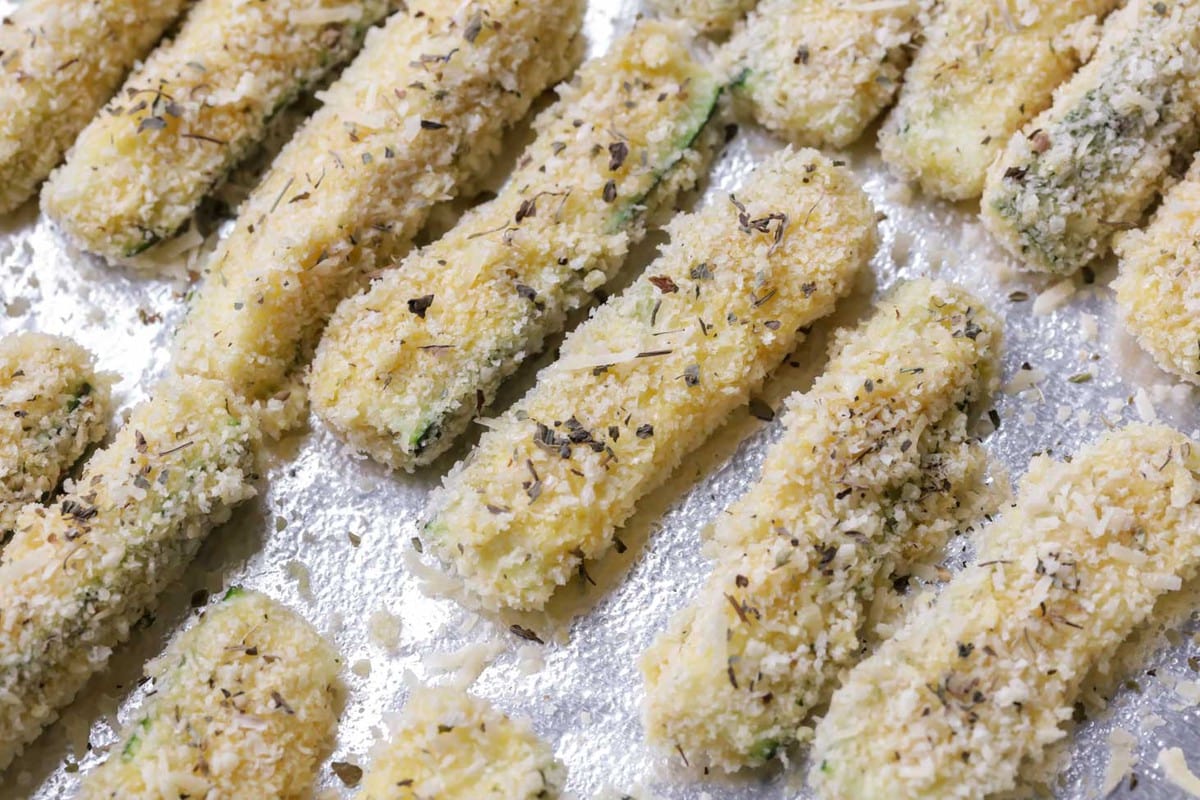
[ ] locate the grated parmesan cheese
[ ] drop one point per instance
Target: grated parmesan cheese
(1174, 766)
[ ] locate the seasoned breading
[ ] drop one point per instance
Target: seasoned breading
(452, 746)
(79, 575)
(874, 469)
(1158, 280)
(648, 377)
(1093, 162)
(189, 114)
(245, 704)
(403, 367)
(818, 72)
(418, 113)
(53, 406)
(983, 681)
(59, 63)
(984, 69)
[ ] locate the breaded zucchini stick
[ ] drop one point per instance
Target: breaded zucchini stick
(418, 113)
(1158, 280)
(59, 63)
(453, 746)
(245, 704)
(981, 682)
(984, 70)
(79, 575)
(403, 367)
(1091, 163)
(817, 72)
(648, 377)
(192, 112)
(875, 468)
(706, 16)
(53, 406)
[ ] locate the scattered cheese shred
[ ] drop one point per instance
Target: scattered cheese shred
(1174, 765)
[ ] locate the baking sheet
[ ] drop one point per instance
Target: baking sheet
(330, 534)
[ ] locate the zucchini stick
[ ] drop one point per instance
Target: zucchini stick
(984, 70)
(192, 112)
(875, 469)
(980, 683)
(245, 704)
(1158, 280)
(78, 576)
(648, 377)
(453, 746)
(817, 72)
(1091, 164)
(59, 63)
(706, 16)
(416, 115)
(53, 406)
(403, 367)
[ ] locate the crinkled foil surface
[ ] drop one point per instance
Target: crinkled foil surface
(331, 534)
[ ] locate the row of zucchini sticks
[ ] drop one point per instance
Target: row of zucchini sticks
(1068, 121)
(637, 387)
(416, 117)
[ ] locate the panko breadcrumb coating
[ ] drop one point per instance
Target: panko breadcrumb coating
(59, 63)
(982, 72)
(980, 683)
(1158, 280)
(78, 575)
(453, 746)
(192, 112)
(53, 406)
(403, 367)
(416, 115)
(706, 16)
(1093, 162)
(875, 469)
(648, 377)
(245, 704)
(818, 72)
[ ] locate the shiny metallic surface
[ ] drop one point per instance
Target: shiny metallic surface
(332, 534)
